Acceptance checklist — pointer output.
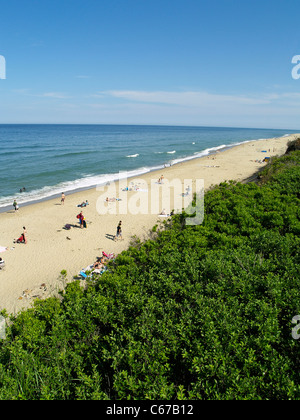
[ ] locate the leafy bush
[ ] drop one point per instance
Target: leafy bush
(199, 312)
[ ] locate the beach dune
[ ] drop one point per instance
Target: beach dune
(33, 270)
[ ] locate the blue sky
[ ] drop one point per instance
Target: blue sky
(191, 62)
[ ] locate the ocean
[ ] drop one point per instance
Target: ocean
(47, 160)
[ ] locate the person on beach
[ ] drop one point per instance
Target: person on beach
(80, 217)
(82, 220)
(63, 197)
(83, 204)
(160, 181)
(15, 204)
(22, 239)
(112, 200)
(119, 231)
(98, 265)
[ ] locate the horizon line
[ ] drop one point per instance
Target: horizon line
(157, 125)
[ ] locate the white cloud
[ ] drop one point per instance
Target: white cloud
(189, 98)
(276, 108)
(56, 95)
(199, 99)
(28, 92)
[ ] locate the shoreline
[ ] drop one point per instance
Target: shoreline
(115, 176)
(51, 249)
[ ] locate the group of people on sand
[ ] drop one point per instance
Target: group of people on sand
(82, 220)
(99, 266)
(160, 180)
(113, 199)
(23, 238)
(100, 263)
(83, 224)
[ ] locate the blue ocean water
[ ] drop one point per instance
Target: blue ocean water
(50, 159)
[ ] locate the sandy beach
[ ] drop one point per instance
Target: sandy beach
(33, 269)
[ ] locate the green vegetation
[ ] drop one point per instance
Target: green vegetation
(196, 312)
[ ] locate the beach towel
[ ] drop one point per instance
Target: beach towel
(82, 273)
(3, 248)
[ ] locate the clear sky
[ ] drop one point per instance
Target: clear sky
(182, 62)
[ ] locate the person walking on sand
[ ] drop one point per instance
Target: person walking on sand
(63, 198)
(119, 231)
(15, 204)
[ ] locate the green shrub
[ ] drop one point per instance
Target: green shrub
(199, 312)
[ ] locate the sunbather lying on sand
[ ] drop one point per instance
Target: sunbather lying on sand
(83, 204)
(111, 200)
(98, 265)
